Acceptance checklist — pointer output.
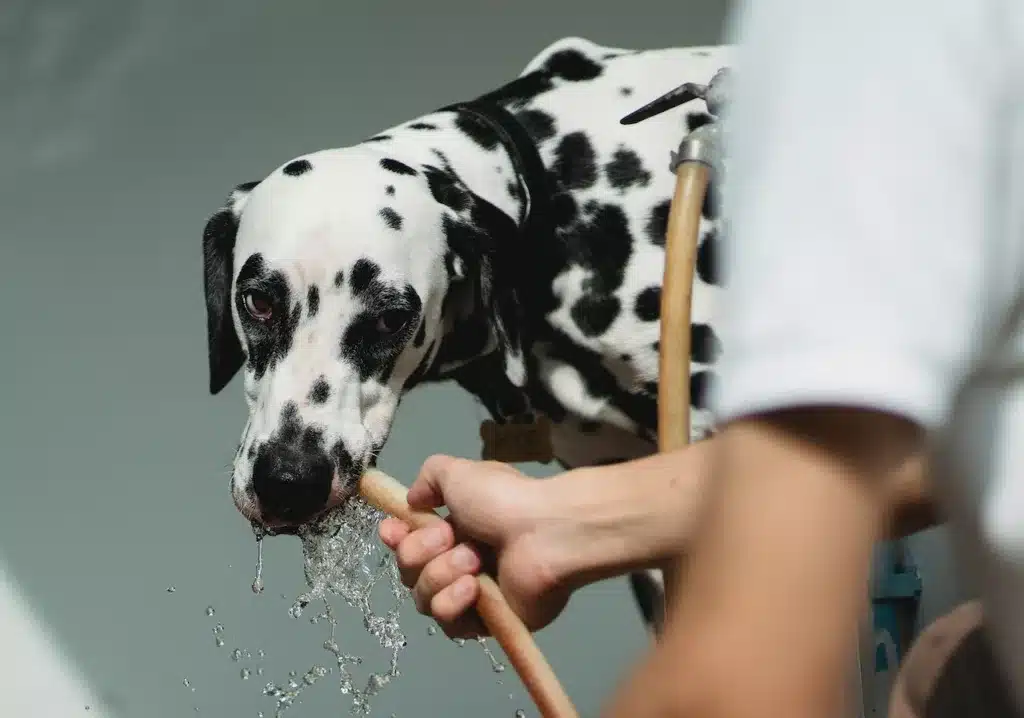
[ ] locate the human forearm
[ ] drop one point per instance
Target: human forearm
(628, 516)
(638, 513)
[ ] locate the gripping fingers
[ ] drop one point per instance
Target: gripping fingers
(420, 548)
(441, 573)
(451, 608)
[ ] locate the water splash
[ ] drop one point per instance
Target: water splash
(343, 557)
(496, 665)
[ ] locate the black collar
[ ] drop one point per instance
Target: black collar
(536, 234)
(535, 216)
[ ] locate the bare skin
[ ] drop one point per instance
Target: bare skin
(543, 539)
(798, 498)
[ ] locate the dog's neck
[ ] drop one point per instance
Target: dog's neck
(468, 345)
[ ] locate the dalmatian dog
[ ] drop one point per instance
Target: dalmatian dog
(513, 244)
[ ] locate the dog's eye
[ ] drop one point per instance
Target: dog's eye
(392, 322)
(258, 305)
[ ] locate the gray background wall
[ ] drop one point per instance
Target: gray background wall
(124, 123)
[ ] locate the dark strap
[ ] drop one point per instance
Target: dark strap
(535, 220)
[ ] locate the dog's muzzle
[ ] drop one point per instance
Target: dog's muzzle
(292, 485)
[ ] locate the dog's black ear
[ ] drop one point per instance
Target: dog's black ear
(225, 351)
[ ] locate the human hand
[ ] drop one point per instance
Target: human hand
(499, 519)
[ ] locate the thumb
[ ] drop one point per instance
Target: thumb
(428, 490)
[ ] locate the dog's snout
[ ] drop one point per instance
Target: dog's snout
(291, 484)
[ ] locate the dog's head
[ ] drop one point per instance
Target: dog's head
(335, 283)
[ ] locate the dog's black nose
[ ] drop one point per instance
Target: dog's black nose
(292, 486)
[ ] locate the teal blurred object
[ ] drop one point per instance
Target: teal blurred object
(896, 588)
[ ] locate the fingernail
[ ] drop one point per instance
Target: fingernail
(435, 537)
(464, 559)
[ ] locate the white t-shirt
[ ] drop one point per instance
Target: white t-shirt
(875, 193)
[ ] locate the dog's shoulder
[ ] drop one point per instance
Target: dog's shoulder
(573, 47)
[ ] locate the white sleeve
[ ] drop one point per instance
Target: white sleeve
(860, 191)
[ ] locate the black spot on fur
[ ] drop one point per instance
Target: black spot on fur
(320, 392)
(572, 65)
(657, 223)
(268, 341)
(399, 168)
(392, 218)
(421, 335)
(446, 165)
(378, 138)
(539, 125)
(297, 167)
(704, 345)
(700, 389)
(313, 299)
(648, 304)
(446, 190)
(707, 259)
(698, 119)
(364, 274)
(594, 313)
(602, 244)
(339, 279)
(477, 130)
(515, 190)
(389, 190)
(656, 347)
(589, 427)
(422, 126)
(575, 161)
(625, 91)
(348, 472)
(626, 170)
(564, 212)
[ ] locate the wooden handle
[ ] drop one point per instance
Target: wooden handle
(676, 302)
(389, 495)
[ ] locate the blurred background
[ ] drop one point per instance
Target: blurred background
(123, 124)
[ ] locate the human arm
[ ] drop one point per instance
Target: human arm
(859, 190)
(561, 533)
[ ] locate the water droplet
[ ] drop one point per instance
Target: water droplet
(499, 667)
(511, 697)
(186, 683)
(219, 642)
(257, 583)
(219, 628)
(259, 671)
(520, 713)
(236, 655)
(459, 641)
(245, 673)
(431, 630)
(88, 708)
(209, 611)
(260, 654)
(170, 589)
